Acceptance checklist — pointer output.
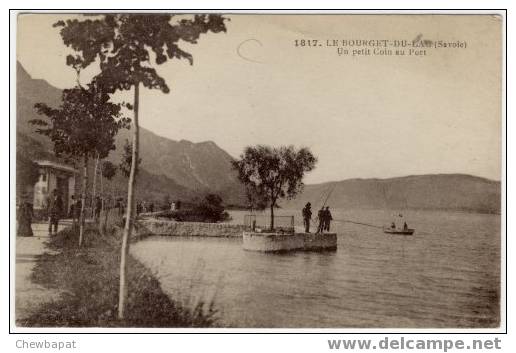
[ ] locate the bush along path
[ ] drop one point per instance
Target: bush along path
(87, 280)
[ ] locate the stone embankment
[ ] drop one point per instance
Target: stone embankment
(277, 242)
(146, 227)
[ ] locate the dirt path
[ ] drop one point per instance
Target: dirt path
(28, 295)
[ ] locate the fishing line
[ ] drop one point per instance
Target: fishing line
(360, 223)
(375, 226)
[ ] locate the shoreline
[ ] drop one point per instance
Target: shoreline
(87, 282)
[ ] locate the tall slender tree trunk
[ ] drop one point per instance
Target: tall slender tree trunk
(94, 187)
(101, 187)
(83, 199)
(105, 207)
(272, 216)
(104, 225)
(129, 221)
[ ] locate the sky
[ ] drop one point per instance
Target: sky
(362, 116)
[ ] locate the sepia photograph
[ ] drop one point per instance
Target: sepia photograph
(258, 170)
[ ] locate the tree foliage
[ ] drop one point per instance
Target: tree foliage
(255, 200)
(108, 170)
(85, 124)
(270, 174)
(27, 174)
(127, 159)
(124, 43)
(211, 208)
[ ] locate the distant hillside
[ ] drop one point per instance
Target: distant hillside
(202, 167)
(168, 167)
(436, 192)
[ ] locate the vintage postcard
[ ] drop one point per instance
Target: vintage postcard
(282, 171)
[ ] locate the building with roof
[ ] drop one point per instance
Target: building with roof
(52, 176)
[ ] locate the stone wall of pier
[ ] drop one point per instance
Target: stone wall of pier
(148, 227)
(277, 242)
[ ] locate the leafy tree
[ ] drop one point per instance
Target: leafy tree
(255, 199)
(123, 44)
(127, 160)
(274, 173)
(211, 208)
(108, 170)
(83, 126)
(27, 174)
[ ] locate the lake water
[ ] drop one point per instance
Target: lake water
(446, 275)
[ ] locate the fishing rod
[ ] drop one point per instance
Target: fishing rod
(329, 194)
(322, 196)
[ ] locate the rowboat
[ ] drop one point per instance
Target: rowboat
(408, 231)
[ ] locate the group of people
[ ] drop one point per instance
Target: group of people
(144, 207)
(149, 207)
(54, 211)
(76, 205)
(405, 226)
(323, 215)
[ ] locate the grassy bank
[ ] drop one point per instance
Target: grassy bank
(88, 280)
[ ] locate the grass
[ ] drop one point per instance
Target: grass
(88, 279)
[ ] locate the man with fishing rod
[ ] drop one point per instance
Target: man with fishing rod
(327, 219)
(324, 214)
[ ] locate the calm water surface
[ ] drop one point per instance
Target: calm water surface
(447, 275)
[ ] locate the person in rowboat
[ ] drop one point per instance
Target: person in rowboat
(405, 226)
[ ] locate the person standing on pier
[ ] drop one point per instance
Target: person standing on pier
(327, 219)
(320, 216)
(307, 216)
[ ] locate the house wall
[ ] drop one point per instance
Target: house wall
(47, 182)
(41, 190)
(52, 181)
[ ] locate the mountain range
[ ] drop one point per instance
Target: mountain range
(181, 169)
(434, 191)
(185, 170)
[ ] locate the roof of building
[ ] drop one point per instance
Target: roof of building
(54, 165)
